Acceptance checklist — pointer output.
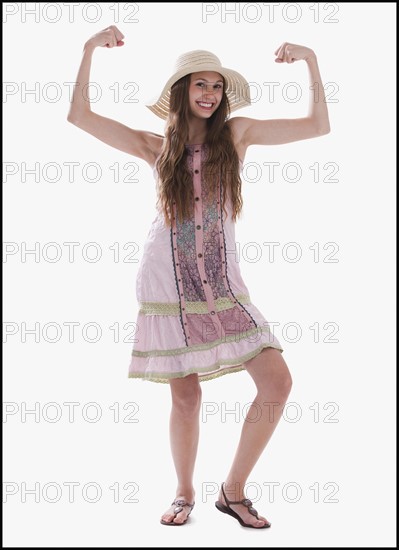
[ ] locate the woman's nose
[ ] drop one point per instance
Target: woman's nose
(208, 92)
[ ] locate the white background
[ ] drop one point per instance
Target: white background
(355, 454)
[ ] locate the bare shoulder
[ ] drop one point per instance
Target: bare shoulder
(238, 126)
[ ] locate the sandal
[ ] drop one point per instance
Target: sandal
(180, 503)
(246, 502)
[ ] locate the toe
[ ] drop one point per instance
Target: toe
(181, 517)
(259, 523)
(262, 521)
(255, 522)
(168, 516)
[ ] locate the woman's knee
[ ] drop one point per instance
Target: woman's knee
(270, 372)
(186, 394)
(281, 382)
(285, 382)
(280, 378)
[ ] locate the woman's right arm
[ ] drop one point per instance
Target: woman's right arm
(139, 143)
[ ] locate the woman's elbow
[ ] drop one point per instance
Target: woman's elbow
(71, 118)
(323, 130)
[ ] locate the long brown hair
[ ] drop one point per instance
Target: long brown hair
(175, 182)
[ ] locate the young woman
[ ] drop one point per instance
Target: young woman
(196, 320)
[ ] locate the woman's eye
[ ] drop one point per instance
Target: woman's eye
(202, 84)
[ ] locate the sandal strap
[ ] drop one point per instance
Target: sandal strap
(245, 501)
(182, 502)
(179, 505)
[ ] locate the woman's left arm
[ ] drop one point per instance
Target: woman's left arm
(250, 131)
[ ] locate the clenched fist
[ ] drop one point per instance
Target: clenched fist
(108, 38)
(288, 53)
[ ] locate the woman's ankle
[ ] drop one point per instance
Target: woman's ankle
(234, 490)
(186, 492)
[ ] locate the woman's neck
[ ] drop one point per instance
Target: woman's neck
(197, 131)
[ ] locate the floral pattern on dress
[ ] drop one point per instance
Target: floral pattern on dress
(193, 289)
(192, 284)
(207, 327)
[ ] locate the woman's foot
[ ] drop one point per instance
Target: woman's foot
(179, 510)
(241, 509)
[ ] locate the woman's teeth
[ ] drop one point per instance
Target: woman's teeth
(205, 105)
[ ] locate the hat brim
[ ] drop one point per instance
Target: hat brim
(237, 89)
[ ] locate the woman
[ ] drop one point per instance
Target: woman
(196, 321)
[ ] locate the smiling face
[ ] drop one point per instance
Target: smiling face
(205, 93)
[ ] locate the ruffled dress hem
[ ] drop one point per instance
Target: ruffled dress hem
(220, 368)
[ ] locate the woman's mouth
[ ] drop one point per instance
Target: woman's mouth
(206, 106)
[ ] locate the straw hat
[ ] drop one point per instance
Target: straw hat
(237, 88)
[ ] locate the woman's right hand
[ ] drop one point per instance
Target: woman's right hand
(107, 38)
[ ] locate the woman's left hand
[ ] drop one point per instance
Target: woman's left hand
(288, 53)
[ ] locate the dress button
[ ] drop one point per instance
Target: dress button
(200, 255)
(196, 171)
(197, 150)
(204, 281)
(197, 198)
(212, 313)
(198, 227)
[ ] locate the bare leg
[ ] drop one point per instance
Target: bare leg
(273, 382)
(184, 435)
